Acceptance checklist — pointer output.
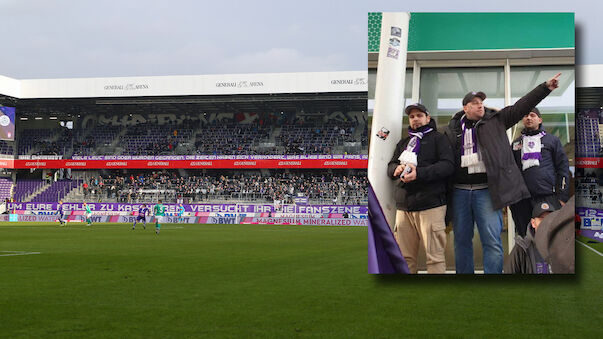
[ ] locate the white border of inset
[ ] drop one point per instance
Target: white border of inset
(589, 75)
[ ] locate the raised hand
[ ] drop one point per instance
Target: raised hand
(553, 82)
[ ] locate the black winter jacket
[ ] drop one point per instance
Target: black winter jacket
(505, 182)
(551, 177)
(525, 258)
(435, 163)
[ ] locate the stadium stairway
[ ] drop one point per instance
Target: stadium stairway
(29, 197)
(186, 145)
(75, 194)
(197, 133)
(116, 144)
(55, 191)
(83, 134)
(119, 137)
(275, 133)
(358, 131)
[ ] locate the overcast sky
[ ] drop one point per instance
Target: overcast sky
(68, 38)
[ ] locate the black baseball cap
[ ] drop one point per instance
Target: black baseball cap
(542, 207)
(469, 96)
(535, 110)
(416, 106)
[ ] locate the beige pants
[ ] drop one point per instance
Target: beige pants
(427, 227)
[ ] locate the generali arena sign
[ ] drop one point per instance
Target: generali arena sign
(225, 84)
(332, 161)
(589, 163)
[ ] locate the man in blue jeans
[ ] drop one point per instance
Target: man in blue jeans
(486, 178)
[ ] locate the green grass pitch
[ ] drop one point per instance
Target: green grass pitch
(109, 281)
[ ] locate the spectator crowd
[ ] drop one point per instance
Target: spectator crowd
(317, 186)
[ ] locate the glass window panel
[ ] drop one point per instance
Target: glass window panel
(372, 80)
(442, 89)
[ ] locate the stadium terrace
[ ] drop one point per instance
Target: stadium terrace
(242, 115)
(290, 143)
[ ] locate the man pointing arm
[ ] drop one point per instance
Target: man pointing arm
(486, 178)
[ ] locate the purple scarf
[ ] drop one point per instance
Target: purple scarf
(409, 156)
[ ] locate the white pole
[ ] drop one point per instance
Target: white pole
(388, 110)
(510, 134)
(567, 128)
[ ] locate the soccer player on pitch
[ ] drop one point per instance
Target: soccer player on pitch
(159, 213)
(142, 216)
(88, 214)
(180, 213)
(61, 213)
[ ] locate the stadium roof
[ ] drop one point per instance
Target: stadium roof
(310, 103)
(187, 85)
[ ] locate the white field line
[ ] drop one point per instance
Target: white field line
(590, 248)
(13, 253)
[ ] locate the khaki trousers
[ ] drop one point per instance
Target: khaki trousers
(427, 227)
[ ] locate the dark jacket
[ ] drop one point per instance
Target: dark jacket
(435, 163)
(525, 258)
(551, 177)
(555, 239)
(505, 182)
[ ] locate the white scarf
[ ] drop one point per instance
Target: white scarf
(471, 157)
(530, 150)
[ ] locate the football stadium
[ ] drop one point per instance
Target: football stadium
(262, 180)
(215, 144)
(188, 177)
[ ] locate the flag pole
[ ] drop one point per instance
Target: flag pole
(389, 106)
(386, 133)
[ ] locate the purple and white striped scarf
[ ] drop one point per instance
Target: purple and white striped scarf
(409, 156)
(530, 151)
(471, 156)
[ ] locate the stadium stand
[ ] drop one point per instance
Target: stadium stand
(315, 138)
(25, 188)
(101, 135)
(56, 191)
(289, 134)
(588, 142)
(38, 141)
(231, 139)
(235, 126)
(6, 148)
(589, 190)
(339, 187)
(150, 139)
(6, 187)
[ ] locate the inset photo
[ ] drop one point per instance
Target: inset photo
(472, 143)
